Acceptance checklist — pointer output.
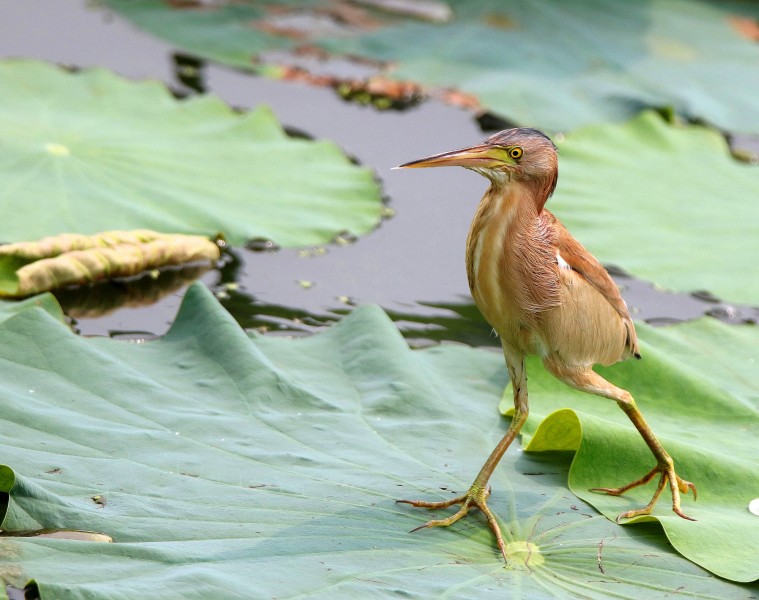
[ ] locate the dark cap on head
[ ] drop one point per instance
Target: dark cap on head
(518, 135)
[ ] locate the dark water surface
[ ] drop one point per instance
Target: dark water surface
(412, 264)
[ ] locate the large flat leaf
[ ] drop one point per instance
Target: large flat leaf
(697, 387)
(224, 466)
(551, 64)
(46, 302)
(665, 202)
(87, 152)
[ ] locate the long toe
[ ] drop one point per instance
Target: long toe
(475, 497)
(434, 505)
(684, 486)
(445, 522)
(668, 478)
(621, 490)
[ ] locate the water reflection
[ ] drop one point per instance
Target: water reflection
(298, 292)
(102, 298)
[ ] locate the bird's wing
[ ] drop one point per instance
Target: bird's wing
(574, 254)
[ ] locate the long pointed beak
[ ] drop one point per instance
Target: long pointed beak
(476, 156)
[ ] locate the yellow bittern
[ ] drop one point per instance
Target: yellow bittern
(546, 295)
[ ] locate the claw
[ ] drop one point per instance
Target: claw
(685, 486)
(474, 497)
(680, 513)
(668, 475)
(447, 521)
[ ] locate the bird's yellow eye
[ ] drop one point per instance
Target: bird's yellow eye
(515, 152)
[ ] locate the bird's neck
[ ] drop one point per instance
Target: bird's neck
(532, 192)
(509, 254)
(504, 209)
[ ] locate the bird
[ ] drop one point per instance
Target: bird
(544, 294)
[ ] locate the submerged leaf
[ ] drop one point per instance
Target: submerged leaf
(28, 268)
(89, 151)
(230, 464)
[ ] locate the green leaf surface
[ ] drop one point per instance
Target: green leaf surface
(89, 151)
(697, 387)
(667, 203)
(46, 302)
(225, 466)
(551, 64)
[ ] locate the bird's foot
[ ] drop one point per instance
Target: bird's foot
(666, 470)
(476, 497)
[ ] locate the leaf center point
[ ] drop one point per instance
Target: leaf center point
(524, 555)
(57, 149)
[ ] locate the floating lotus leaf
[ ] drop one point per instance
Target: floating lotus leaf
(46, 302)
(697, 387)
(89, 151)
(551, 64)
(664, 202)
(221, 464)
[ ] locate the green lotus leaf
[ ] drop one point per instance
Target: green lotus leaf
(45, 302)
(228, 466)
(697, 388)
(664, 202)
(551, 64)
(89, 151)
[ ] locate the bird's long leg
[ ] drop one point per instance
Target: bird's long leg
(587, 380)
(479, 491)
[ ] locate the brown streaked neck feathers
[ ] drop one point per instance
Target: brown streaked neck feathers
(508, 218)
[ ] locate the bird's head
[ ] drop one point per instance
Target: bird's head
(512, 155)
